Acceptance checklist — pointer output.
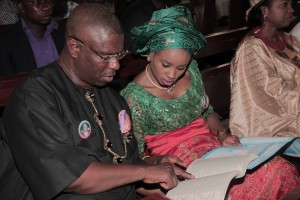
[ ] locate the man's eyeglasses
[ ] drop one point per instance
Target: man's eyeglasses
(105, 58)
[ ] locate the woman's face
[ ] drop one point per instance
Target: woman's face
(169, 65)
(280, 14)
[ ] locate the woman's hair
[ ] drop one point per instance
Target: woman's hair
(255, 16)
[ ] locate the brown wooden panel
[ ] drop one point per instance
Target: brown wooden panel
(8, 84)
(223, 41)
(237, 13)
(131, 66)
(217, 86)
(203, 12)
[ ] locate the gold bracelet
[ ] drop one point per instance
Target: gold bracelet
(145, 157)
(223, 130)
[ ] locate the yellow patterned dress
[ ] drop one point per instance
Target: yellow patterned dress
(265, 89)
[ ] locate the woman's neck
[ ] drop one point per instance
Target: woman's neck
(271, 37)
(269, 32)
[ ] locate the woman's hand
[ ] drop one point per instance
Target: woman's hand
(229, 140)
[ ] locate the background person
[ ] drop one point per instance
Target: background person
(265, 74)
(34, 41)
(44, 155)
(171, 111)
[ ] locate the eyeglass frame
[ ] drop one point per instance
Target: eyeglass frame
(105, 58)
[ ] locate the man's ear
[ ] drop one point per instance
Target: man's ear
(73, 47)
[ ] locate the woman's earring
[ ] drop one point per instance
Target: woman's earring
(148, 58)
(264, 19)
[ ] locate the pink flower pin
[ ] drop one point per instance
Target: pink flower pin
(124, 121)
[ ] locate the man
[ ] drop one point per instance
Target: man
(33, 42)
(43, 153)
(8, 12)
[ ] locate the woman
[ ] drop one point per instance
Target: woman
(265, 74)
(171, 112)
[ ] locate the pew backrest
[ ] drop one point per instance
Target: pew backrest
(7, 86)
(217, 86)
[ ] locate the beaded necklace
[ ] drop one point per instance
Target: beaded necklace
(169, 90)
(281, 44)
(108, 146)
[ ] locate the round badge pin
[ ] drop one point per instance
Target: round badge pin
(84, 129)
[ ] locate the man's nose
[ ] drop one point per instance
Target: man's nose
(46, 5)
(114, 64)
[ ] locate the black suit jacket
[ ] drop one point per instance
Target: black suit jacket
(16, 54)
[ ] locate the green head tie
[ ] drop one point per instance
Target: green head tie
(169, 28)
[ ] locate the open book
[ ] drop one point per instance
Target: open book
(215, 170)
(212, 177)
(263, 147)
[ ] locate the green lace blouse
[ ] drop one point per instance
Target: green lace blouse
(154, 115)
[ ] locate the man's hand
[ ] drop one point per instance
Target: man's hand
(178, 164)
(164, 174)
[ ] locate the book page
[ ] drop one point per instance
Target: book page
(211, 166)
(206, 188)
(293, 149)
(265, 139)
(263, 147)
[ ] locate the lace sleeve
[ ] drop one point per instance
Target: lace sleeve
(137, 118)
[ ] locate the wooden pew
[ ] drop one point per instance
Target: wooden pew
(223, 41)
(216, 78)
(203, 14)
(217, 86)
(237, 13)
(7, 85)
(131, 65)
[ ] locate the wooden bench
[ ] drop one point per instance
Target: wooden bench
(203, 14)
(131, 65)
(217, 86)
(237, 13)
(223, 41)
(216, 77)
(7, 85)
